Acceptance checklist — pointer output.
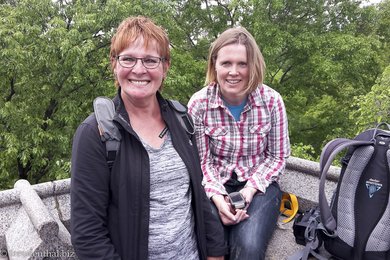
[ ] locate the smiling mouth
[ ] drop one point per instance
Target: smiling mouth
(233, 81)
(139, 82)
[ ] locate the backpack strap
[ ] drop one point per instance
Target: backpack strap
(311, 236)
(328, 154)
(109, 133)
(183, 117)
(378, 126)
(309, 249)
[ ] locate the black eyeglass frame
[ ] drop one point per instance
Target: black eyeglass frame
(160, 59)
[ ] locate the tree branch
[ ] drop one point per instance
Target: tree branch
(284, 76)
(49, 112)
(209, 15)
(187, 35)
(12, 90)
(229, 13)
(23, 170)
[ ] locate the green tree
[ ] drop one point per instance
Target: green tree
(319, 55)
(54, 62)
(373, 107)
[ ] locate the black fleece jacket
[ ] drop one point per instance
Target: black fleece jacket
(110, 210)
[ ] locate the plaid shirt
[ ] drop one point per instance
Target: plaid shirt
(255, 147)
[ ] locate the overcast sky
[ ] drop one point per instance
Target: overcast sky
(375, 1)
(368, 2)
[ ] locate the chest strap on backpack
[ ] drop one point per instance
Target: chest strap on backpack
(310, 221)
(104, 111)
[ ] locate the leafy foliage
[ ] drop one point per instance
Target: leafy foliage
(327, 58)
(373, 107)
(51, 67)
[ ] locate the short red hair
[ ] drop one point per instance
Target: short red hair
(134, 28)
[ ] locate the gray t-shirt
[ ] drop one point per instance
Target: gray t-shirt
(171, 225)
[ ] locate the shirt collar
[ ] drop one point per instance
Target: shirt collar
(215, 101)
(255, 98)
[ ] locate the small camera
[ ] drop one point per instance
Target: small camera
(237, 200)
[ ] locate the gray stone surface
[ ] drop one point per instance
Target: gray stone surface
(20, 223)
(8, 213)
(283, 243)
(38, 213)
(37, 231)
(305, 187)
(302, 179)
(59, 205)
(22, 239)
(49, 189)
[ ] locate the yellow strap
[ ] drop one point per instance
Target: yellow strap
(289, 206)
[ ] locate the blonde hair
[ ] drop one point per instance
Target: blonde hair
(256, 64)
(134, 28)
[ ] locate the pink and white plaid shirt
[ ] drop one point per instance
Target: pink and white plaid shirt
(255, 148)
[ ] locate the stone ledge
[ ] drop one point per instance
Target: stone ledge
(301, 178)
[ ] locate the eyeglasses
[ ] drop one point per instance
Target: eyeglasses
(148, 62)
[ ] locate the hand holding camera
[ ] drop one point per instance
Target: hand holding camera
(231, 208)
(237, 200)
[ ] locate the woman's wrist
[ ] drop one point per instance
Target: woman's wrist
(248, 193)
(251, 190)
(218, 198)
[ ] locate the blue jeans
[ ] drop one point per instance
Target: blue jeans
(248, 239)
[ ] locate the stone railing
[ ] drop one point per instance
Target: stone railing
(34, 219)
(34, 222)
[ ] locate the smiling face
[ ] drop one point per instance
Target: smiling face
(232, 70)
(139, 82)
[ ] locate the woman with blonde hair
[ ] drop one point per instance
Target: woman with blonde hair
(242, 136)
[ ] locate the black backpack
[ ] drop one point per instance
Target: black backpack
(104, 109)
(357, 223)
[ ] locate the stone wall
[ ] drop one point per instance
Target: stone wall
(34, 219)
